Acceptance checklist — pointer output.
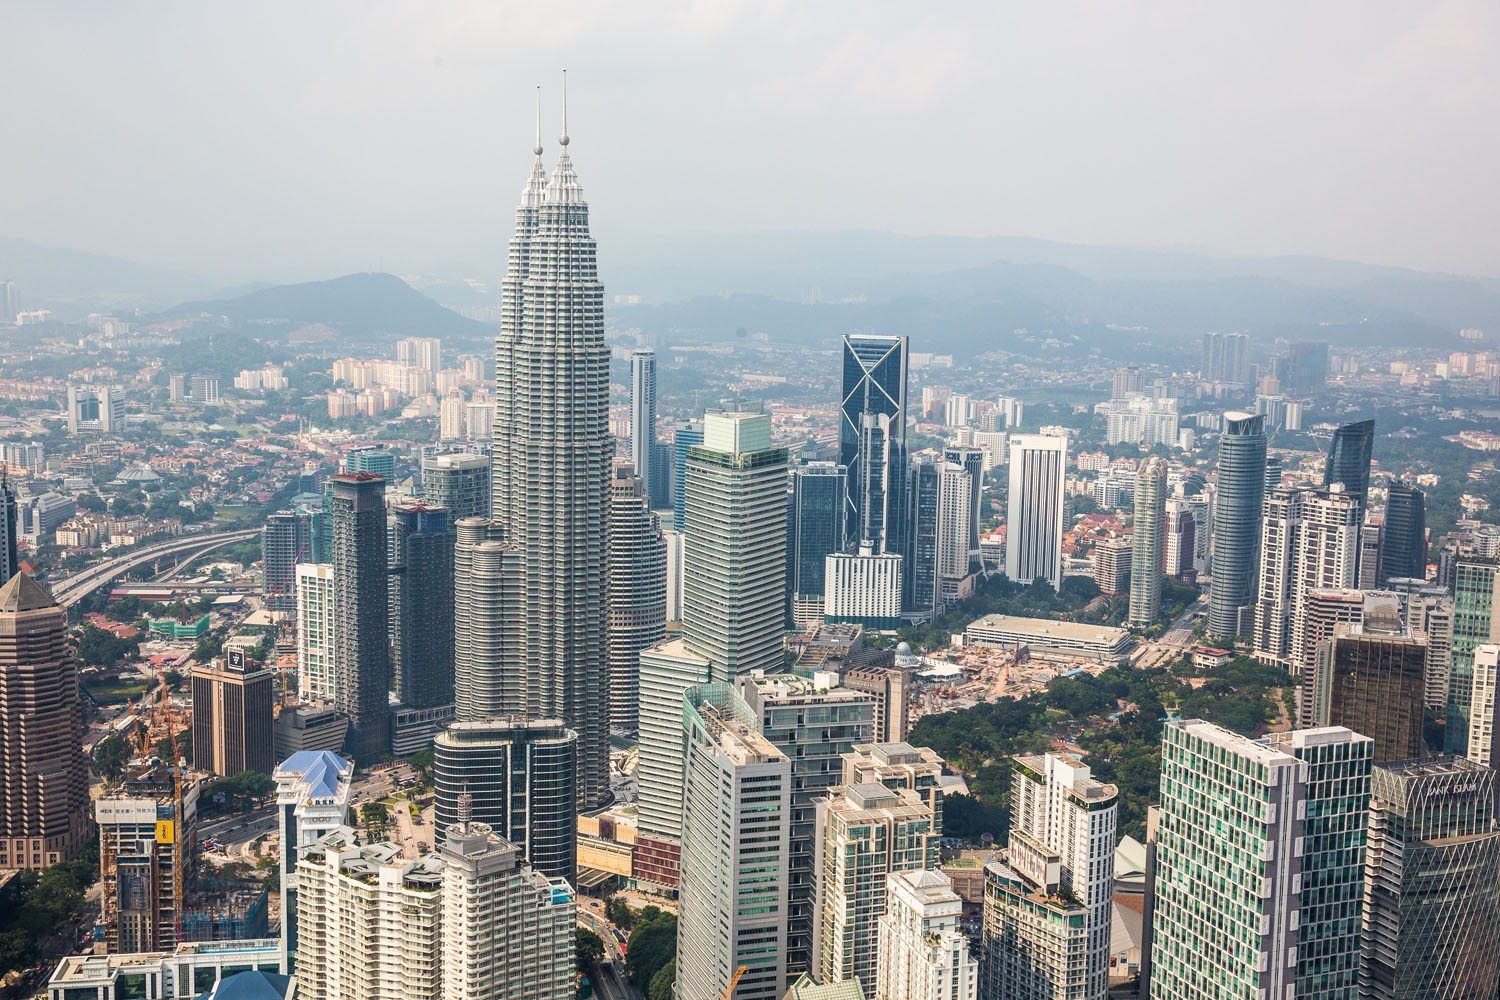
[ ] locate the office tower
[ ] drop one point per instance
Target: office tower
(551, 461)
(734, 583)
(317, 679)
(10, 516)
(486, 620)
(1112, 558)
(668, 670)
(519, 776)
(361, 611)
(643, 413)
(672, 541)
(971, 460)
(232, 716)
(813, 723)
(872, 438)
(1403, 550)
(312, 799)
(637, 591)
(420, 352)
(92, 408)
(863, 587)
(146, 833)
(1147, 543)
(865, 833)
(921, 590)
(736, 824)
(1323, 611)
(204, 389)
(1484, 707)
(177, 387)
(1368, 677)
(8, 302)
(508, 930)
(369, 922)
(687, 436)
(1309, 541)
(1034, 519)
(458, 481)
(1476, 592)
(957, 410)
(1432, 882)
(315, 725)
(1348, 460)
(376, 459)
(1180, 541)
(1236, 525)
(285, 541)
(1047, 897)
(924, 952)
(1371, 544)
(44, 775)
(1306, 367)
(421, 601)
(1226, 358)
(818, 503)
(1291, 807)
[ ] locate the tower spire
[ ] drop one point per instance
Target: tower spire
(537, 149)
(562, 140)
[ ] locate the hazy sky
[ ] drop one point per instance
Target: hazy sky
(278, 140)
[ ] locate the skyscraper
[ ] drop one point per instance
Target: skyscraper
(637, 591)
(1369, 678)
(1265, 837)
(421, 599)
(1403, 550)
(971, 460)
(552, 451)
(955, 530)
(1034, 519)
(1476, 594)
(1236, 518)
(643, 415)
(1226, 358)
(687, 436)
(1180, 544)
(10, 517)
(376, 459)
(44, 775)
(1348, 459)
(924, 952)
(317, 634)
(1148, 542)
(361, 605)
(1432, 882)
(818, 504)
(872, 438)
(921, 591)
(736, 825)
(285, 541)
(519, 777)
(487, 618)
(458, 481)
(312, 800)
(232, 716)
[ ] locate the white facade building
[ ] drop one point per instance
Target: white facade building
(863, 587)
(924, 952)
(316, 679)
(1034, 518)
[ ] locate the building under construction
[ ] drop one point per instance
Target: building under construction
(147, 827)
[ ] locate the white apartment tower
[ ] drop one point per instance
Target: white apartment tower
(316, 619)
(1034, 510)
(924, 952)
(312, 800)
(1148, 542)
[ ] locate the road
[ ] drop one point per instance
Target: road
(73, 589)
(608, 976)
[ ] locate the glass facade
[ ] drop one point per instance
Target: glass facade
(1236, 518)
(872, 439)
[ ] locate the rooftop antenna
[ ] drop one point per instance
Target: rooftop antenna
(563, 139)
(537, 149)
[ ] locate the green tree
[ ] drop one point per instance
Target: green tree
(111, 754)
(652, 945)
(663, 982)
(588, 949)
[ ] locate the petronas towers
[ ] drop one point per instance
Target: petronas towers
(552, 453)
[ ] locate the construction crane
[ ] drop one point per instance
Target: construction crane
(734, 981)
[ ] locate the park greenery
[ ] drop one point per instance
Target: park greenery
(1115, 719)
(240, 792)
(99, 647)
(651, 953)
(36, 905)
(588, 949)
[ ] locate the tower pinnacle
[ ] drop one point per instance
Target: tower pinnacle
(563, 139)
(537, 149)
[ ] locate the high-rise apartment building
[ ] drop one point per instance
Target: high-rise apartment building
(924, 952)
(286, 541)
(1368, 677)
(146, 833)
(1148, 548)
(818, 505)
(369, 922)
(865, 833)
(1048, 896)
(232, 715)
(813, 723)
(518, 776)
(1034, 520)
(1348, 461)
(312, 799)
(1180, 539)
(736, 826)
(1226, 358)
(458, 481)
(420, 352)
(971, 460)
(421, 602)
(1403, 549)
(1237, 509)
(1309, 541)
(361, 606)
(637, 575)
(1259, 863)
(1431, 922)
(552, 451)
(507, 930)
(1476, 595)
(872, 438)
(643, 452)
(486, 619)
(44, 775)
(955, 527)
(1484, 706)
(317, 680)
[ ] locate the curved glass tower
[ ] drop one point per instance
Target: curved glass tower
(1237, 511)
(1349, 459)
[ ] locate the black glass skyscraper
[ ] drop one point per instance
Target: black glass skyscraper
(9, 512)
(1349, 459)
(421, 560)
(1404, 550)
(872, 439)
(361, 603)
(817, 523)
